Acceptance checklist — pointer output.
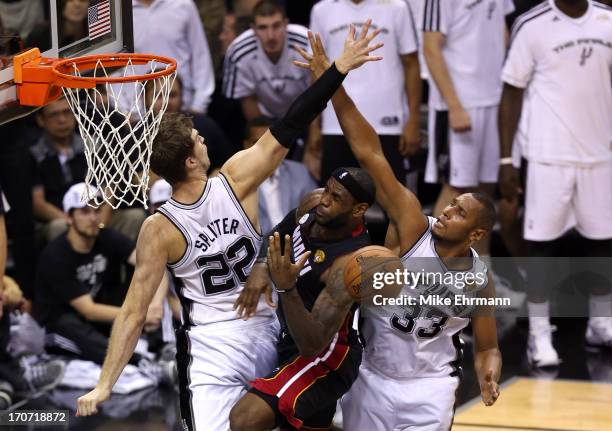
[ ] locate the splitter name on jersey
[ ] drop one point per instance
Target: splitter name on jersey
(214, 229)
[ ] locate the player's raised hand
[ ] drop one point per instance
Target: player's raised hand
(284, 272)
(357, 49)
(489, 389)
(317, 62)
(87, 405)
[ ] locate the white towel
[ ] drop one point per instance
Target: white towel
(85, 374)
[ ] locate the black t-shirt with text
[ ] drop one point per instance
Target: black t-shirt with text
(64, 274)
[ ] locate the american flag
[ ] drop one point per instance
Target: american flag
(99, 19)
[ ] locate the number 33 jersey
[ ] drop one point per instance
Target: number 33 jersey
(222, 245)
(419, 337)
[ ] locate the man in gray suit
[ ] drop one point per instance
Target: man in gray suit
(282, 191)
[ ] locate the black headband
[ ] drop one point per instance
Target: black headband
(345, 178)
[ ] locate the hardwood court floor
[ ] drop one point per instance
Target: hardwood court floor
(530, 404)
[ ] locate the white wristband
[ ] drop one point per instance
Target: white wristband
(505, 161)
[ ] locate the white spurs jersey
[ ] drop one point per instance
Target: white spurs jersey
(222, 245)
(564, 124)
(422, 340)
(473, 50)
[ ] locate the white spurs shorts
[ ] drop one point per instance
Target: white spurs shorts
(559, 198)
(463, 160)
(376, 402)
(215, 366)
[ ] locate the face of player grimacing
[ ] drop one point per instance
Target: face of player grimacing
(200, 151)
(458, 220)
(86, 221)
(335, 207)
(271, 31)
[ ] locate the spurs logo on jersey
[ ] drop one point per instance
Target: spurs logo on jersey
(420, 340)
(221, 248)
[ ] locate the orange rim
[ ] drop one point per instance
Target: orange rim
(63, 69)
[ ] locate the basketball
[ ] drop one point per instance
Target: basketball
(363, 264)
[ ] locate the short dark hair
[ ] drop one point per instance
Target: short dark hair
(268, 8)
(364, 179)
(487, 216)
(171, 147)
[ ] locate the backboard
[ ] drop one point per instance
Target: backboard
(65, 29)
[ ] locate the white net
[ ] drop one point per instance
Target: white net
(118, 123)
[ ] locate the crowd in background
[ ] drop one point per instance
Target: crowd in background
(235, 77)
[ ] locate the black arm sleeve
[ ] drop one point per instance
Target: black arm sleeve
(307, 106)
(285, 227)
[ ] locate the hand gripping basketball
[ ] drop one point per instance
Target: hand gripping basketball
(371, 271)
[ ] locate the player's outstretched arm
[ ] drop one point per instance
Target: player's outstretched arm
(151, 258)
(487, 357)
(249, 168)
(402, 205)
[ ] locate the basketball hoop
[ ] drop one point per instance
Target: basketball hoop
(118, 101)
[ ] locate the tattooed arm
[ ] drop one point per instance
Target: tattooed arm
(312, 331)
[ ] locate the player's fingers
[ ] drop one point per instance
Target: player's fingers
(370, 58)
(287, 253)
(300, 263)
(312, 41)
(373, 35)
(301, 64)
(374, 47)
(269, 298)
(351, 35)
(272, 254)
(365, 29)
(303, 53)
(319, 43)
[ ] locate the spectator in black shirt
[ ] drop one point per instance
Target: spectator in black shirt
(78, 275)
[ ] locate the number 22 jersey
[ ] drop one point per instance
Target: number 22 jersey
(222, 245)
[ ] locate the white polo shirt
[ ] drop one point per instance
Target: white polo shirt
(377, 88)
(474, 49)
(249, 71)
(566, 64)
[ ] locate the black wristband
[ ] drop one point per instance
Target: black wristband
(307, 106)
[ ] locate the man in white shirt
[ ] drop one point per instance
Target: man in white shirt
(285, 188)
(561, 53)
(172, 28)
(394, 85)
(258, 67)
(464, 45)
